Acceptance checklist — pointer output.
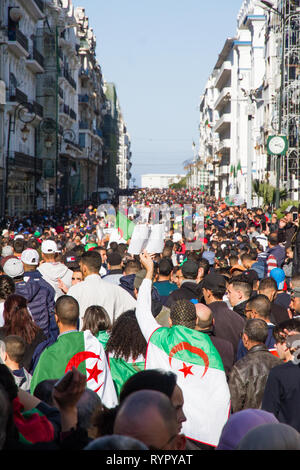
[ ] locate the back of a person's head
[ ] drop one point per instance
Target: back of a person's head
(132, 266)
(19, 245)
(271, 436)
(88, 404)
(67, 310)
(165, 266)
(15, 348)
(96, 319)
(92, 261)
(115, 442)
(126, 338)
(150, 379)
(262, 305)
(273, 238)
(256, 330)
(183, 312)
(267, 284)
(138, 405)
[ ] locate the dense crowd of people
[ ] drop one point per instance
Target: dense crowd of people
(192, 347)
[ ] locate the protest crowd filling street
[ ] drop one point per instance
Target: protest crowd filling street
(172, 318)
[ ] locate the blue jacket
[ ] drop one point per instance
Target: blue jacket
(40, 296)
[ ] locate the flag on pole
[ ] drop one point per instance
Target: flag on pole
(239, 167)
(208, 124)
(82, 350)
(124, 225)
(192, 356)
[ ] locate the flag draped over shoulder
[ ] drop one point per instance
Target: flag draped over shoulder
(192, 356)
(121, 370)
(124, 225)
(82, 350)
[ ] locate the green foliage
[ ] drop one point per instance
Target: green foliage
(284, 205)
(267, 192)
(180, 184)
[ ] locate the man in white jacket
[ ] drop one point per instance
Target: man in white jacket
(96, 291)
(52, 270)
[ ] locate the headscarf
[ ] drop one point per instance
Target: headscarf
(240, 423)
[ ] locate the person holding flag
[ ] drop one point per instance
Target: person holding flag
(192, 356)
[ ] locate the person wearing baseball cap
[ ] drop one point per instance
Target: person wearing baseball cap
(53, 270)
(227, 323)
(188, 281)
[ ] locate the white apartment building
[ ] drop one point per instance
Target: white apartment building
(156, 180)
(239, 107)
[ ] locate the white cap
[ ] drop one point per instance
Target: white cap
(13, 267)
(7, 250)
(49, 247)
(19, 236)
(30, 257)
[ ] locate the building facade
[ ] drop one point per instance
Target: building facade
(52, 109)
(251, 94)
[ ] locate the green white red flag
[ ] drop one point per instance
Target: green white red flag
(82, 350)
(192, 356)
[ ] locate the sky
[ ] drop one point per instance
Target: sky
(159, 54)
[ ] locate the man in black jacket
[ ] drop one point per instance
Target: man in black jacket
(228, 324)
(189, 287)
(249, 375)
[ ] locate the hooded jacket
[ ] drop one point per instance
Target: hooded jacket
(51, 272)
(40, 296)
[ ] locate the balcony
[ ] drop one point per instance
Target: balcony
(224, 144)
(223, 123)
(224, 75)
(223, 98)
(35, 61)
(17, 43)
(28, 163)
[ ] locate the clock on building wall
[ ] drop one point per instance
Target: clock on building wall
(277, 144)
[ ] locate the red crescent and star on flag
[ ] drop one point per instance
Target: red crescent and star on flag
(184, 346)
(83, 356)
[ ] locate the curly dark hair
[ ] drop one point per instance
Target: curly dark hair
(126, 339)
(7, 286)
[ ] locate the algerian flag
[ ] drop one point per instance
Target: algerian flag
(124, 225)
(121, 370)
(192, 356)
(82, 350)
(239, 168)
